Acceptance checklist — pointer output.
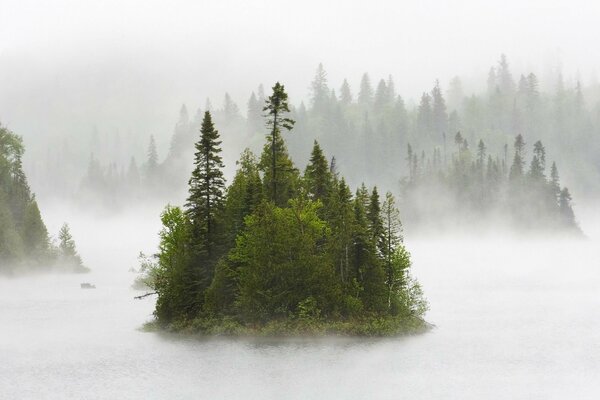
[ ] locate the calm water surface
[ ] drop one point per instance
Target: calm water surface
(514, 321)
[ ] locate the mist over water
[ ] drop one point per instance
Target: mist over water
(514, 319)
(109, 97)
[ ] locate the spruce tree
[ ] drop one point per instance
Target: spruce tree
(243, 195)
(516, 169)
(365, 95)
(345, 93)
(392, 238)
(376, 229)
(317, 174)
(438, 110)
(566, 209)
(68, 252)
(206, 199)
(319, 90)
(280, 174)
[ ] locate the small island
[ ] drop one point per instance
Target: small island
(278, 252)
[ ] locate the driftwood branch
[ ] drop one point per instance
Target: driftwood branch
(145, 295)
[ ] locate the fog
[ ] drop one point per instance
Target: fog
(108, 98)
(513, 320)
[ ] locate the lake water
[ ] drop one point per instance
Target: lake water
(514, 320)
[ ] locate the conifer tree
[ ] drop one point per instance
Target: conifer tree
(340, 216)
(424, 115)
(438, 111)
(345, 93)
(230, 109)
(243, 195)
(566, 208)
(280, 174)
(392, 238)
(317, 174)
(152, 162)
(555, 181)
(516, 169)
(365, 95)
(381, 95)
(375, 223)
(254, 114)
(206, 199)
(319, 90)
(68, 252)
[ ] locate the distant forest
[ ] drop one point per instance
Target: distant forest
(368, 129)
(24, 240)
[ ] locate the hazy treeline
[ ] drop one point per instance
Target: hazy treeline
(281, 250)
(476, 187)
(24, 240)
(368, 128)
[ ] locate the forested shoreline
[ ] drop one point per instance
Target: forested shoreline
(25, 245)
(280, 252)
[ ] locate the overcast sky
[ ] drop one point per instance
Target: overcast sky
(78, 63)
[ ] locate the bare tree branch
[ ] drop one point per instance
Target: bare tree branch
(145, 295)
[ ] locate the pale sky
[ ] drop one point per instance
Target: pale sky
(74, 63)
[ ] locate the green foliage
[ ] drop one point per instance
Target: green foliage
(175, 281)
(24, 240)
(243, 195)
(317, 175)
(281, 263)
(299, 254)
(206, 199)
(280, 175)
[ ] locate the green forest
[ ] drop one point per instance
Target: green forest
(24, 241)
(280, 251)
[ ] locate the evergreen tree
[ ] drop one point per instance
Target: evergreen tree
(566, 209)
(424, 116)
(345, 93)
(243, 195)
(230, 109)
(319, 90)
(555, 181)
(365, 95)
(317, 174)
(152, 162)
(275, 162)
(392, 238)
(381, 95)
(68, 252)
(516, 169)
(205, 202)
(254, 115)
(375, 223)
(439, 114)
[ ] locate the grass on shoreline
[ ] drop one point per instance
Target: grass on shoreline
(374, 326)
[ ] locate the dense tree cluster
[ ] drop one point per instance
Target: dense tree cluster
(24, 240)
(280, 247)
(475, 186)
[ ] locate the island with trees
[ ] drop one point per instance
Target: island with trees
(280, 252)
(25, 245)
